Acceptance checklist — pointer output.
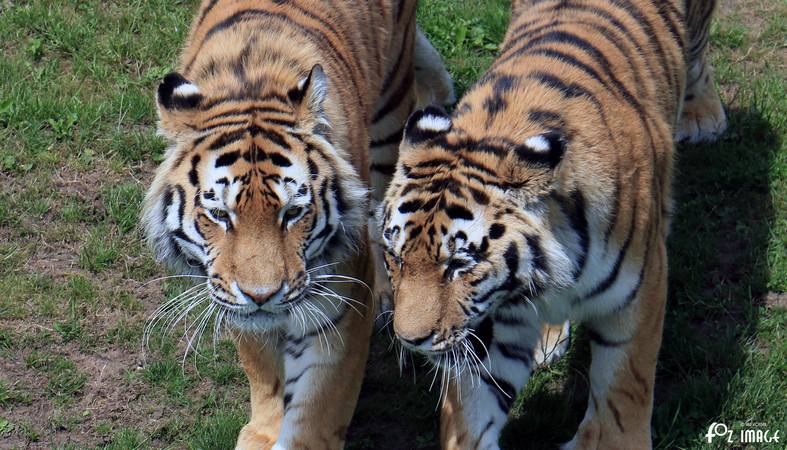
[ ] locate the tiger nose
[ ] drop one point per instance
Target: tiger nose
(262, 295)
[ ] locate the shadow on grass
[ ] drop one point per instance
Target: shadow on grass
(395, 411)
(718, 274)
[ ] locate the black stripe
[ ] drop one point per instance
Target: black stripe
(635, 290)
(627, 56)
(204, 13)
(226, 139)
(243, 96)
(193, 174)
(496, 230)
(570, 60)
(399, 9)
(385, 169)
(579, 223)
(478, 195)
(250, 110)
(648, 33)
(224, 124)
(396, 98)
(567, 38)
(455, 211)
(389, 78)
(511, 257)
(613, 218)
(227, 159)
(516, 352)
(541, 116)
(326, 208)
(671, 27)
(598, 339)
(270, 135)
(279, 159)
(505, 398)
(287, 399)
(613, 274)
(316, 36)
(410, 206)
(524, 31)
(342, 204)
(391, 139)
(572, 90)
(538, 256)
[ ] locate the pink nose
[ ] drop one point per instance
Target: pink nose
(263, 295)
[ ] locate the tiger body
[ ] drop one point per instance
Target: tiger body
(265, 191)
(545, 197)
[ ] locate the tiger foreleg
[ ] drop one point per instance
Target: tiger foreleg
(703, 118)
(433, 82)
(624, 348)
(477, 403)
(262, 362)
(324, 368)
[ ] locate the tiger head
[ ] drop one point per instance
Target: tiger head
(465, 228)
(253, 193)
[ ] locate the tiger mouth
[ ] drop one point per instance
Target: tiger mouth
(295, 297)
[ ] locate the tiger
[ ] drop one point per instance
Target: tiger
(545, 196)
(284, 119)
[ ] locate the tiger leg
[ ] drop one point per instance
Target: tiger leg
(433, 83)
(324, 369)
(261, 360)
(624, 348)
(703, 118)
(477, 404)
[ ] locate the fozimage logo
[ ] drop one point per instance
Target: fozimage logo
(749, 433)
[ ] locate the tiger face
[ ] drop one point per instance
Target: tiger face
(253, 195)
(464, 229)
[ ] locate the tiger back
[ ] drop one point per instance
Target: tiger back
(545, 197)
(264, 191)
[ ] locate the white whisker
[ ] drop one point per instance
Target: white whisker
(201, 277)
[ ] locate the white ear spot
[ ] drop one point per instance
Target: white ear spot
(434, 123)
(538, 143)
(186, 89)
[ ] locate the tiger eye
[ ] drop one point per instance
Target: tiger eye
(220, 214)
(292, 213)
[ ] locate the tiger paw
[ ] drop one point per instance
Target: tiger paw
(554, 343)
(703, 118)
(249, 439)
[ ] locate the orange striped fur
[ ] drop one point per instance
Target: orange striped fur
(545, 197)
(265, 190)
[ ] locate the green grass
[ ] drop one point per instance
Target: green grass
(77, 124)
(100, 251)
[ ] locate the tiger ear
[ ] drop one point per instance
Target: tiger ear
(177, 100)
(426, 124)
(310, 94)
(532, 164)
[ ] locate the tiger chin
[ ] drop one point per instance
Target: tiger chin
(265, 192)
(545, 197)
